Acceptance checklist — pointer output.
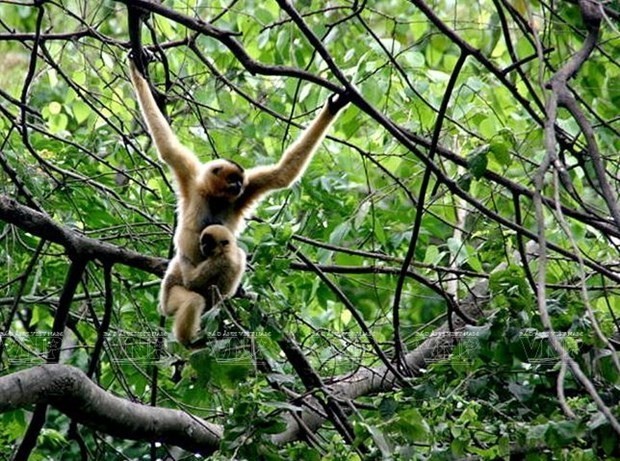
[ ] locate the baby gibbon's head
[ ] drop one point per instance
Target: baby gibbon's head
(222, 179)
(215, 240)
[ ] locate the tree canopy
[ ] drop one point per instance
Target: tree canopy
(442, 283)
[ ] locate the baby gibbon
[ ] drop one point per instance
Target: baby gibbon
(187, 289)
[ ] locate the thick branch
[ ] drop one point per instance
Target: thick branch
(381, 379)
(69, 390)
(591, 12)
(43, 226)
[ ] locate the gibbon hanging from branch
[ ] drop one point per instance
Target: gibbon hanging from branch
(217, 192)
(221, 191)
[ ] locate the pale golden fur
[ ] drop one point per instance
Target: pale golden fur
(194, 184)
(219, 191)
(187, 289)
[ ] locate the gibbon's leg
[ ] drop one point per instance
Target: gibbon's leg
(185, 305)
(172, 278)
(295, 159)
(189, 306)
(181, 160)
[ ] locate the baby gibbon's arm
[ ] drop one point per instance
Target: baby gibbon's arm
(223, 270)
(181, 160)
(197, 278)
(294, 161)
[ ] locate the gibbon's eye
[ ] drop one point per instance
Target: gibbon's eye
(235, 178)
(216, 170)
(225, 242)
(234, 183)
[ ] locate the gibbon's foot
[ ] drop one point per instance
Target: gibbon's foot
(200, 342)
(337, 101)
(242, 293)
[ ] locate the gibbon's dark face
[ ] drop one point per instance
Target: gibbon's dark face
(224, 179)
(215, 240)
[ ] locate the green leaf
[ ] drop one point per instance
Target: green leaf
(345, 316)
(561, 434)
(473, 261)
(432, 255)
(521, 392)
(464, 181)
(388, 407)
(380, 440)
(81, 111)
(501, 152)
(413, 424)
(339, 233)
(477, 161)
(457, 250)
(263, 15)
(54, 108)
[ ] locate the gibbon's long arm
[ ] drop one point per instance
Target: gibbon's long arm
(294, 161)
(181, 160)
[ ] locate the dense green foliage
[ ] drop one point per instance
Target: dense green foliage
(73, 145)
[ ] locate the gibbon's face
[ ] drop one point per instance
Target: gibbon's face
(223, 179)
(215, 240)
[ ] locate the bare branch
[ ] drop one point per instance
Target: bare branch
(43, 226)
(69, 390)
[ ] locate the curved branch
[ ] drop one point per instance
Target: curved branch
(380, 379)
(227, 39)
(41, 225)
(560, 94)
(69, 390)
(591, 13)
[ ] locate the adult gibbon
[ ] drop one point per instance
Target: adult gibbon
(219, 191)
(188, 289)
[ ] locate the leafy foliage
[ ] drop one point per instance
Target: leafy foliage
(73, 146)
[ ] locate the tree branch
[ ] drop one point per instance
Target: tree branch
(41, 225)
(69, 390)
(227, 39)
(381, 379)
